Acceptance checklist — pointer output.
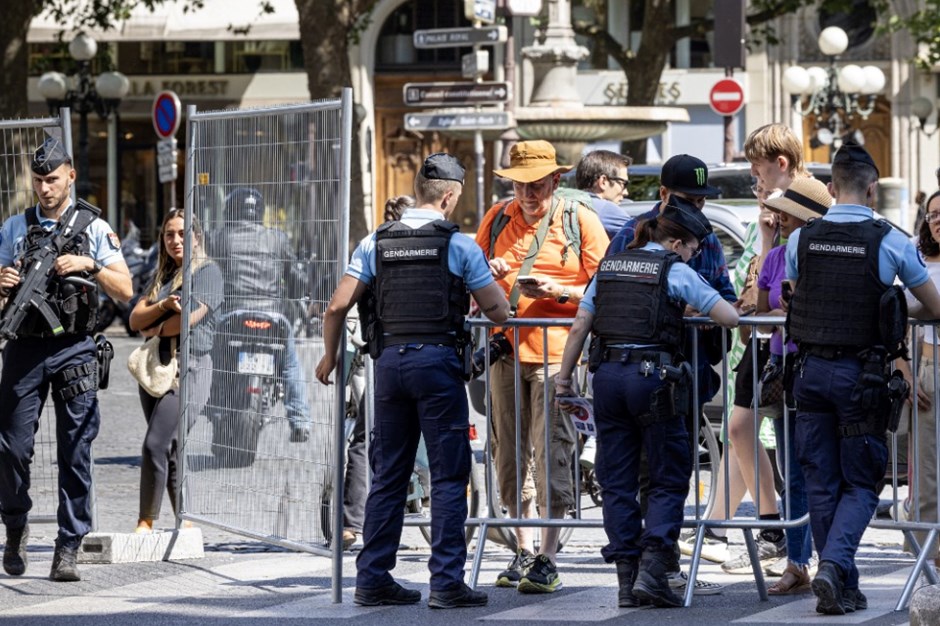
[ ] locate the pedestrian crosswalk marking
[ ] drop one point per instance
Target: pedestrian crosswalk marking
(882, 592)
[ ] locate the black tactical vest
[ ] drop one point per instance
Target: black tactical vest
(76, 306)
(632, 303)
(417, 298)
(837, 296)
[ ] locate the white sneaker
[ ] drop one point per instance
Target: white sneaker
(714, 548)
(588, 452)
(679, 580)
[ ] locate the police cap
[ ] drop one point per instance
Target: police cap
(49, 157)
(442, 166)
(852, 152)
(688, 216)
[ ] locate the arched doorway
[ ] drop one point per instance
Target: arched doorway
(876, 131)
(399, 151)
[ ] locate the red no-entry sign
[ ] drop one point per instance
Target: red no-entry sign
(726, 97)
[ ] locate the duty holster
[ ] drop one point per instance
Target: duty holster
(595, 353)
(871, 394)
(672, 400)
(104, 354)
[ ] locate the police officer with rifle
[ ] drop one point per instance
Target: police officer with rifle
(842, 385)
(643, 390)
(421, 272)
(53, 258)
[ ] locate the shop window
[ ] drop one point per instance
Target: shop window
(396, 51)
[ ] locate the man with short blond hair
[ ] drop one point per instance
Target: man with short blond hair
(776, 156)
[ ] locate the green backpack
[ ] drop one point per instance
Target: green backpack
(572, 198)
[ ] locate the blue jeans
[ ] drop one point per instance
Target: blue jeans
(841, 472)
(295, 396)
(419, 389)
(621, 396)
(799, 540)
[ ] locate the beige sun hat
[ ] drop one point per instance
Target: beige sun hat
(530, 161)
(804, 199)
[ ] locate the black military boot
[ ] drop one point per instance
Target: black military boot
(14, 553)
(651, 584)
(828, 588)
(64, 567)
(626, 576)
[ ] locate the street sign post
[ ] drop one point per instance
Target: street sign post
(726, 97)
(470, 121)
(458, 37)
(475, 64)
(167, 156)
(455, 94)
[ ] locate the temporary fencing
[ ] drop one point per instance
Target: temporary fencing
(18, 140)
(244, 467)
(703, 508)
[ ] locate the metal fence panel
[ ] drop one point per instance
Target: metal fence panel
(18, 140)
(240, 468)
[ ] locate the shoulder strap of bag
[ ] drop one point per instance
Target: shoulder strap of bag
(530, 257)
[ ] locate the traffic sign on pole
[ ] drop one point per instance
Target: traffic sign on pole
(458, 37)
(480, 10)
(455, 94)
(166, 114)
(726, 97)
(476, 120)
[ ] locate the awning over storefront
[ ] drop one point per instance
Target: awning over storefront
(217, 20)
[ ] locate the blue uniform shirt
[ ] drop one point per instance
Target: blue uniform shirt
(683, 283)
(710, 264)
(464, 256)
(896, 257)
(103, 244)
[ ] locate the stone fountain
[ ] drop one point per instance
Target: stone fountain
(557, 115)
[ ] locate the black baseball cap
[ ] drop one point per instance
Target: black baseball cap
(443, 166)
(852, 152)
(49, 157)
(684, 213)
(687, 174)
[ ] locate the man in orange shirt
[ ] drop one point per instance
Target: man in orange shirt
(554, 282)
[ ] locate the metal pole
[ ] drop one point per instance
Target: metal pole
(113, 205)
(729, 129)
(480, 161)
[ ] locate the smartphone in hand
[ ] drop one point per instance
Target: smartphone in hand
(527, 280)
(786, 291)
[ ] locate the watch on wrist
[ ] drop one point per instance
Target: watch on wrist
(564, 297)
(97, 268)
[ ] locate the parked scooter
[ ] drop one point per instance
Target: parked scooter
(248, 363)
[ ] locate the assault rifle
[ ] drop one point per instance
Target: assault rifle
(38, 270)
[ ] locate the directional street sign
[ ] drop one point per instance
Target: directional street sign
(477, 120)
(455, 94)
(458, 37)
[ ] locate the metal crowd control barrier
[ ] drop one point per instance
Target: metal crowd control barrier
(700, 514)
(917, 514)
(18, 140)
(242, 469)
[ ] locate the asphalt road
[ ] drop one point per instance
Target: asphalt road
(247, 582)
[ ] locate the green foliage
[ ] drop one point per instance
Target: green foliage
(924, 27)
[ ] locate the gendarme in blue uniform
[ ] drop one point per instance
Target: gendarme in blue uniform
(419, 389)
(621, 395)
(31, 366)
(842, 471)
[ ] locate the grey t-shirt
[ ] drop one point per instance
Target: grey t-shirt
(207, 289)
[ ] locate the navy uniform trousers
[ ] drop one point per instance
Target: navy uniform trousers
(30, 366)
(841, 472)
(418, 389)
(621, 395)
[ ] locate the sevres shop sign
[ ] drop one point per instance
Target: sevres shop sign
(188, 87)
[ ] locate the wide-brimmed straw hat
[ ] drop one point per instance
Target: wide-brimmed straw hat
(530, 161)
(804, 199)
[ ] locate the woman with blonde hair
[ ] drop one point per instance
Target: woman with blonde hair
(160, 314)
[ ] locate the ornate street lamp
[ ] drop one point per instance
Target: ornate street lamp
(103, 96)
(834, 96)
(922, 108)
